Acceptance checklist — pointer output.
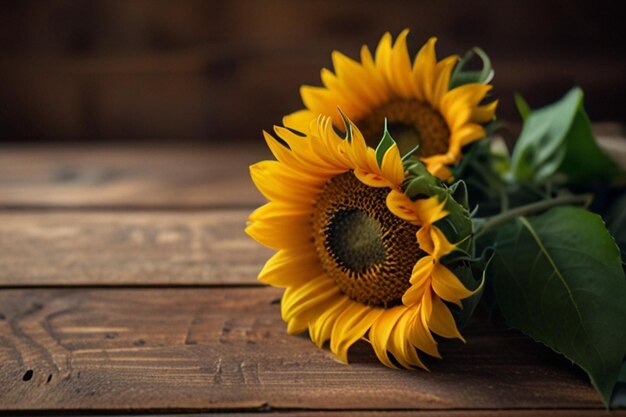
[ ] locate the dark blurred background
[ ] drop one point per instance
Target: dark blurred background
(133, 70)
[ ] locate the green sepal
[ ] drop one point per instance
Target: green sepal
(457, 225)
(419, 182)
(458, 190)
(383, 146)
(460, 77)
(347, 124)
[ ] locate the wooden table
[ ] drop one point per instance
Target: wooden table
(128, 286)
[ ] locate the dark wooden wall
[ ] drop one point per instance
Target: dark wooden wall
(223, 70)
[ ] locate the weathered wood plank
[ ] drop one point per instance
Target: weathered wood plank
(126, 176)
(375, 413)
(107, 176)
(127, 248)
(411, 413)
(216, 348)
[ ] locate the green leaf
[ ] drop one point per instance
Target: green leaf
(385, 143)
(522, 106)
(557, 140)
(558, 278)
(460, 77)
(616, 222)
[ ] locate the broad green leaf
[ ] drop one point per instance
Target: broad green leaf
(558, 278)
(557, 140)
(616, 222)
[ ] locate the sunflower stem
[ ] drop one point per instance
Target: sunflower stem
(497, 220)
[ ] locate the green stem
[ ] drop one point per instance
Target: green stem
(491, 222)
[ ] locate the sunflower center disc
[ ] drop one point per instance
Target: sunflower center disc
(410, 122)
(369, 252)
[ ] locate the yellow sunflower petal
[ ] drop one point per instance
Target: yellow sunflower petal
(323, 101)
(400, 66)
(420, 336)
(300, 120)
(392, 167)
(431, 209)
(441, 244)
(468, 93)
(304, 311)
(380, 332)
(383, 58)
(441, 320)
(434, 242)
(290, 268)
(443, 71)
(424, 69)
(400, 345)
(356, 77)
(345, 96)
(320, 286)
(484, 114)
(403, 207)
(425, 240)
(422, 270)
(320, 328)
(378, 85)
(465, 135)
(373, 180)
(278, 183)
(281, 232)
(350, 326)
(437, 166)
(280, 152)
(413, 295)
(447, 285)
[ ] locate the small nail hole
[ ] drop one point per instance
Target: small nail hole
(49, 379)
(28, 375)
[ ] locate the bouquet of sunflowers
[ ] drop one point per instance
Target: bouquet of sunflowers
(394, 208)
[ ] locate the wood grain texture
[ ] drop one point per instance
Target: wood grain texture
(202, 349)
(411, 413)
(129, 176)
(107, 176)
(128, 248)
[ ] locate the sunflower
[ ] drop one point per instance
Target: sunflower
(415, 99)
(358, 258)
